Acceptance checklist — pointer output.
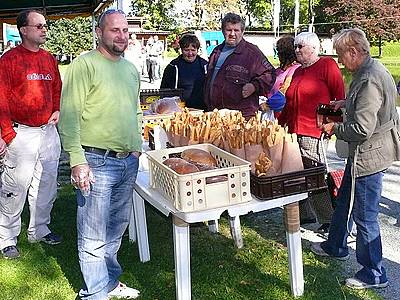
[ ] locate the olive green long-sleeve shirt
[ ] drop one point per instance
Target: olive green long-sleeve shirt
(100, 106)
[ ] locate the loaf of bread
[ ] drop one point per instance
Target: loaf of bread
(212, 179)
(180, 166)
(199, 157)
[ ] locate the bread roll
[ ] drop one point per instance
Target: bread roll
(199, 157)
(180, 166)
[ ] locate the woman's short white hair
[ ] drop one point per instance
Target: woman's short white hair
(309, 39)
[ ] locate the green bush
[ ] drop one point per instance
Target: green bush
(389, 50)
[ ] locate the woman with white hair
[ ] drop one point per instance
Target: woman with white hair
(318, 80)
(371, 131)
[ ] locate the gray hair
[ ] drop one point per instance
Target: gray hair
(309, 39)
(352, 37)
(234, 19)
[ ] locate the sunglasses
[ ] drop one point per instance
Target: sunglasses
(298, 46)
(39, 26)
(109, 12)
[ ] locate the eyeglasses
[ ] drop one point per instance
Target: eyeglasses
(39, 26)
(299, 46)
(109, 12)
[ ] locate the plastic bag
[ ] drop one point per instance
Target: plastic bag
(166, 106)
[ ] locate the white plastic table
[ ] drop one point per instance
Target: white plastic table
(181, 222)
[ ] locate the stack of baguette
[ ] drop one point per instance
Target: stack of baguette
(253, 140)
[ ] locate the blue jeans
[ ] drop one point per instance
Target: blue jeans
(368, 191)
(102, 218)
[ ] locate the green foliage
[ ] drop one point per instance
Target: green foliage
(70, 36)
(390, 50)
(377, 18)
(159, 14)
(260, 12)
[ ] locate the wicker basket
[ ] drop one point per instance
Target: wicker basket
(190, 192)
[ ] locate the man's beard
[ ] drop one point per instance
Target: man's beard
(117, 50)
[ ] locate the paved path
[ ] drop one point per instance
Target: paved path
(389, 219)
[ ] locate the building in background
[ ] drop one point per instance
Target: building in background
(8, 32)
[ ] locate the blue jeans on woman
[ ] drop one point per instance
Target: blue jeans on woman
(102, 218)
(368, 191)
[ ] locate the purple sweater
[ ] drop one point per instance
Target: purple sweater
(246, 64)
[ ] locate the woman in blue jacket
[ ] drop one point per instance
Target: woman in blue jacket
(187, 72)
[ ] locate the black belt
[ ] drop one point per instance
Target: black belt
(16, 125)
(103, 152)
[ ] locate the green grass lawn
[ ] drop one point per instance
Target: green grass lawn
(219, 270)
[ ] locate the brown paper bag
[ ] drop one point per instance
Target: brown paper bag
(275, 154)
(251, 153)
(291, 157)
(239, 152)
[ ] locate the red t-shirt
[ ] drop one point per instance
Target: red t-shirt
(30, 89)
(318, 83)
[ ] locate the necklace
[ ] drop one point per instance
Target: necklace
(305, 65)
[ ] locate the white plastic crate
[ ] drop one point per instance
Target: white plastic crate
(190, 192)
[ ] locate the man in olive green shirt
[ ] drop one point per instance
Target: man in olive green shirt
(100, 128)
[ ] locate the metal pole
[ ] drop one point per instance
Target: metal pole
(120, 4)
(94, 30)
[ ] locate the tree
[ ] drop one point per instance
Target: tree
(70, 36)
(379, 18)
(207, 14)
(259, 13)
(159, 14)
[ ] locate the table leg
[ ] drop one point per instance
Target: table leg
(293, 238)
(213, 226)
(236, 231)
(132, 225)
(141, 227)
(182, 259)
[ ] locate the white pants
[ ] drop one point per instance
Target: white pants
(30, 171)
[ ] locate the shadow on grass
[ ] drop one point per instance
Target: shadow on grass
(218, 269)
(323, 277)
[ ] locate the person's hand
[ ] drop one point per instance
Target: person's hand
(53, 120)
(248, 89)
(264, 106)
(136, 154)
(3, 147)
(328, 128)
(81, 176)
(337, 104)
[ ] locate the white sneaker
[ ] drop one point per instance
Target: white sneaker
(357, 284)
(122, 291)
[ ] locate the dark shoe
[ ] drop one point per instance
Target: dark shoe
(357, 284)
(317, 250)
(324, 228)
(308, 221)
(10, 252)
(51, 239)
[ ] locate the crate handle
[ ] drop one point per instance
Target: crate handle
(216, 179)
(297, 181)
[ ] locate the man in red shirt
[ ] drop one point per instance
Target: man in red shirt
(30, 88)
